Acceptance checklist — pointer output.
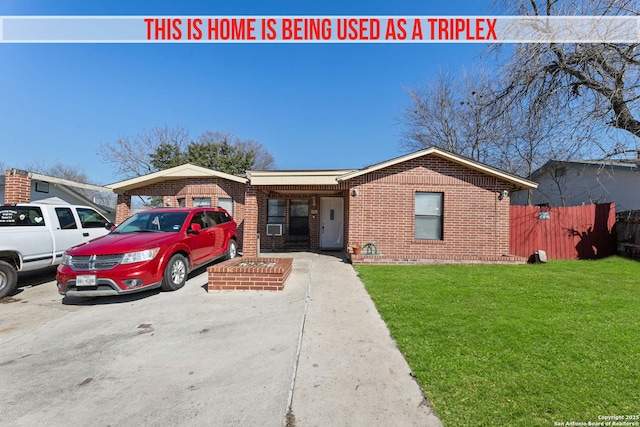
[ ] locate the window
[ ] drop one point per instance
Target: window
(276, 211)
(203, 220)
(226, 204)
(20, 216)
(66, 219)
(169, 221)
(202, 202)
(91, 219)
(182, 202)
(42, 187)
(428, 219)
(299, 218)
(219, 217)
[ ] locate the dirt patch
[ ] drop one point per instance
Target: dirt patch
(290, 420)
(8, 300)
(256, 264)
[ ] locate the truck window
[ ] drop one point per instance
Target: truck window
(65, 218)
(21, 216)
(91, 219)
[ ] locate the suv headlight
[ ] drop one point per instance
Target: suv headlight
(66, 259)
(146, 255)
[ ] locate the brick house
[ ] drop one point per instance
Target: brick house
(426, 206)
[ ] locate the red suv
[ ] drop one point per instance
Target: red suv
(151, 249)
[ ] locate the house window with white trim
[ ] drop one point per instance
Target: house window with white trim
(428, 216)
(199, 202)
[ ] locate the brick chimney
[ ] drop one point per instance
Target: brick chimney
(17, 186)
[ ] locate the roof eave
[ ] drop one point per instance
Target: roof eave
(173, 173)
(298, 177)
(517, 181)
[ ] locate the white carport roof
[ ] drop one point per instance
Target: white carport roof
(187, 170)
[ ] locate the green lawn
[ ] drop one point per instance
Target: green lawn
(521, 345)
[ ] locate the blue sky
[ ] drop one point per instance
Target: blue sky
(314, 106)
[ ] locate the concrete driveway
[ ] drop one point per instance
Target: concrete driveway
(163, 359)
(194, 357)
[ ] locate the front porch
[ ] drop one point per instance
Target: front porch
(299, 211)
(301, 220)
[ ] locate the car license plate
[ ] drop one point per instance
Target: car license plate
(86, 280)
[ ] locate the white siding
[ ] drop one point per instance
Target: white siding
(586, 185)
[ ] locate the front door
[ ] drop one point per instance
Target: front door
(331, 222)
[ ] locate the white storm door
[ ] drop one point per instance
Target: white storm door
(331, 222)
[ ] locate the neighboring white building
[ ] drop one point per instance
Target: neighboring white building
(574, 183)
(52, 190)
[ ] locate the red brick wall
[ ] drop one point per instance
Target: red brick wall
(123, 208)
(250, 232)
(475, 221)
(17, 186)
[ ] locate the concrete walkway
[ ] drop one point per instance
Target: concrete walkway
(350, 372)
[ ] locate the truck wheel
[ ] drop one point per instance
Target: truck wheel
(232, 250)
(8, 279)
(175, 273)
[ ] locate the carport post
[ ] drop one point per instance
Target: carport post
(250, 233)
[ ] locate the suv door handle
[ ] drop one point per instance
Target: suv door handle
(85, 234)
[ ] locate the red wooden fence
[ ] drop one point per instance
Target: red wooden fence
(576, 232)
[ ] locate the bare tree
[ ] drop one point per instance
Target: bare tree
(262, 158)
(129, 156)
(139, 155)
(59, 170)
(456, 115)
(597, 83)
(514, 134)
(543, 102)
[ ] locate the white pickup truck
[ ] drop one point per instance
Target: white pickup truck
(34, 236)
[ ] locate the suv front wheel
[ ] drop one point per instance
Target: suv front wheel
(175, 273)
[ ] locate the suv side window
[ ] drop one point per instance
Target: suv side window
(218, 217)
(222, 217)
(66, 219)
(202, 219)
(91, 219)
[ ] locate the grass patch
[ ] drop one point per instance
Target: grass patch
(521, 345)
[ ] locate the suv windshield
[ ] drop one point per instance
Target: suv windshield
(153, 221)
